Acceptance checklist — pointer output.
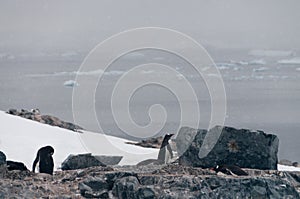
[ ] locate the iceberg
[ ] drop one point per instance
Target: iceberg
(70, 83)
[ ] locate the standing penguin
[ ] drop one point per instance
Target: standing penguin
(165, 153)
(44, 157)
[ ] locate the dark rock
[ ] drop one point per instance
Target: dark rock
(184, 139)
(240, 147)
(183, 182)
(94, 187)
(187, 186)
(11, 165)
(126, 188)
(12, 111)
(109, 160)
(80, 161)
(295, 164)
(146, 193)
(3, 168)
(149, 143)
(296, 176)
(2, 158)
(111, 177)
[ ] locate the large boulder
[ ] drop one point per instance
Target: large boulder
(94, 187)
(126, 187)
(3, 168)
(241, 147)
(2, 158)
(19, 166)
(80, 161)
(109, 160)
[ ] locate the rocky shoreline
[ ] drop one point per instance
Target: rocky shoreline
(185, 175)
(171, 181)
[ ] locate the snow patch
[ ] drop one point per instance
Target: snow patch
(287, 168)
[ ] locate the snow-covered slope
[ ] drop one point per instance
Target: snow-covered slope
(21, 138)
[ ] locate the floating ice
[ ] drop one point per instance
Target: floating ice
(225, 64)
(271, 53)
(261, 69)
(257, 62)
(70, 83)
(295, 60)
(6, 56)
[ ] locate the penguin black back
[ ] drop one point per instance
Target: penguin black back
(230, 170)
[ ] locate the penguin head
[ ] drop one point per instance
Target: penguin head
(166, 140)
(169, 135)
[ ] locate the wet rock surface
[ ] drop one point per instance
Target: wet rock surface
(45, 119)
(172, 181)
(241, 147)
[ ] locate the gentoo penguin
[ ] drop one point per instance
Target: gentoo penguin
(230, 170)
(165, 153)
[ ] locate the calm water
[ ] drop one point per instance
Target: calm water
(261, 93)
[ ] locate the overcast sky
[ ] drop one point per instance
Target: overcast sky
(80, 25)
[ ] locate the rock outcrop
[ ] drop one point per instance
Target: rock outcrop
(2, 158)
(240, 147)
(88, 160)
(45, 119)
(3, 168)
(109, 160)
(80, 161)
(172, 181)
(12, 165)
(176, 181)
(149, 143)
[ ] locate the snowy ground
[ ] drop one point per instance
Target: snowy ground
(21, 138)
(287, 168)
